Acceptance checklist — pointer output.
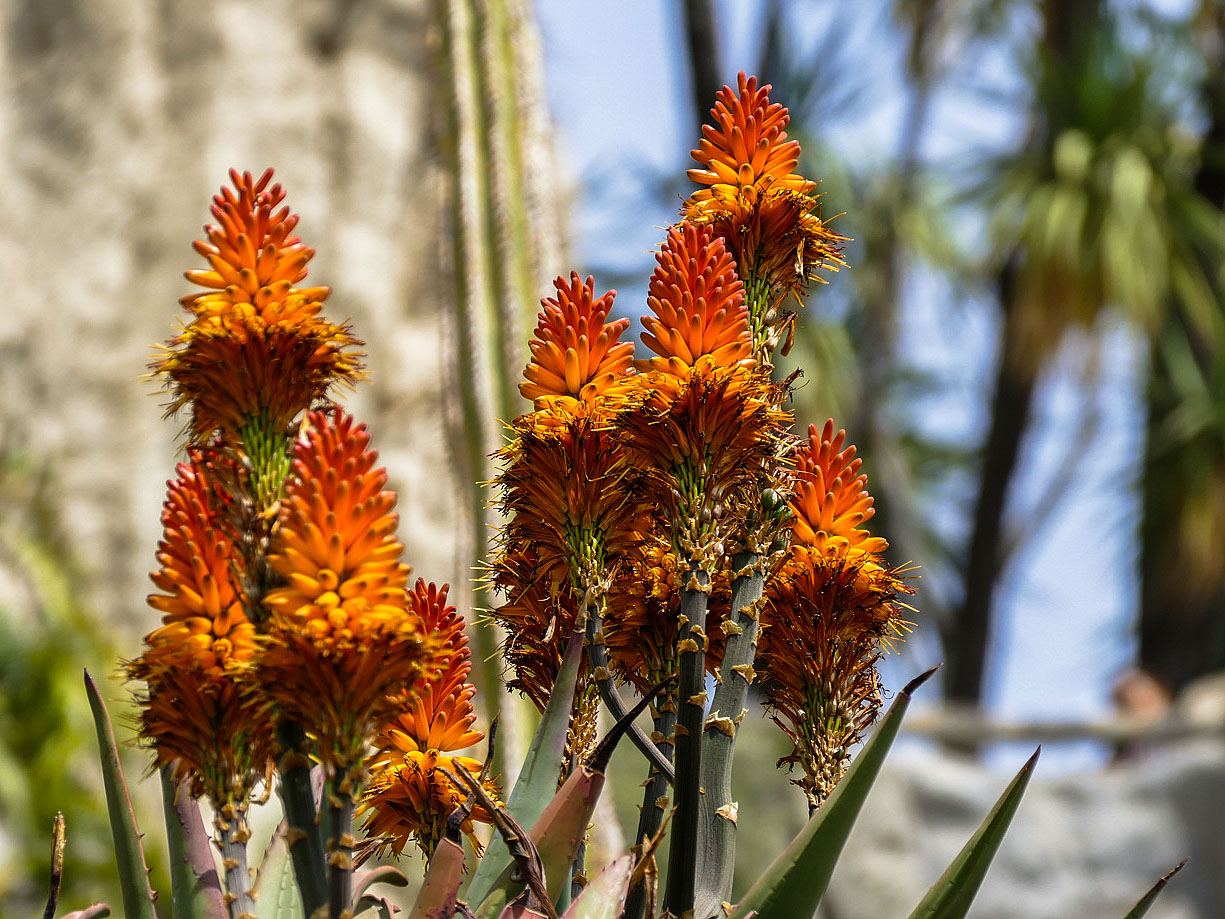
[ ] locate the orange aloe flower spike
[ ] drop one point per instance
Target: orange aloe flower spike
(746, 151)
(831, 500)
(698, 305)
(344, 652)
(575, 352)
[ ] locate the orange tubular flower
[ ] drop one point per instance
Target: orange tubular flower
(256, 349)
(745, 155)
(830, 612)
(831, 498)
(409, 797)
(698, 303)
(344, 650)
(576, 355)
(562, 483)
(765, 211)
(193, 714)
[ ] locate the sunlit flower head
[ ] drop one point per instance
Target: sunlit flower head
(252, 253)
(830, 611)
(766, 212)
(576, 354)
(745, 154)
(831, 502)
(256, 348)
(409, 797)
(344, 651)
(193, 714)
(698, 305)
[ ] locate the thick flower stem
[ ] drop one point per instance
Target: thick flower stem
(597, 653)
(305, 835)
(691, 698)
(717, 828)
(232, 836)
(340, 848)
(654, 797)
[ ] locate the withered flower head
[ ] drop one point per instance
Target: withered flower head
(576, 355)
(830, 612)
(538, 621)
(256, 350)
(563, 494)
(409, 796)
(766, 212)
(699, 444)
(193, 713)
(344, 651)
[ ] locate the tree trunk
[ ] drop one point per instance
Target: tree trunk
(1068, 26)
(701, 40)
(970, 630)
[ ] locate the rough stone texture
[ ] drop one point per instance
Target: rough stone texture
(1084, 845)
(120, 120)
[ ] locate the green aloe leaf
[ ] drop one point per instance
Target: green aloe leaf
(537, 782)
(1147, 900)
(277, 895)
(129, 855)
(558, 834)
(795, 882)
(951, 896)
(194, 883)
(604, 896)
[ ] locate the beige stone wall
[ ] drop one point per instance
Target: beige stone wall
(118, 122)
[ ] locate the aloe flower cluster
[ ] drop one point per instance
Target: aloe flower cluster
(665, 531)
(290, 635)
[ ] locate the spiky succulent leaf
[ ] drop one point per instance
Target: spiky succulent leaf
(96, 911)
(194, 882)
(537, 783)
(795, 882)
(446, 872)
(605, 895)
(951, 896)
(129, 854)
(277, 895)
(371, 906)
(1146, 901)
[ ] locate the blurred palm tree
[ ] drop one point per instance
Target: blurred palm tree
(1182, 557)
(1097, 210)
(48, 754)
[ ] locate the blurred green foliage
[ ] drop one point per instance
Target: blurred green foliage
(48, 754)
